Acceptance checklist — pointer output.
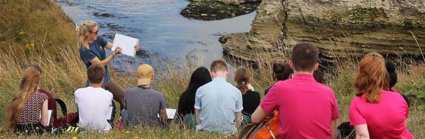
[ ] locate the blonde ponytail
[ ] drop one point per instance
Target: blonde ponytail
(84, 30)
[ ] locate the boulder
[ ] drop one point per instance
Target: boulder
(218, 9)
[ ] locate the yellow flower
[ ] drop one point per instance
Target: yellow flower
(21, 32)
(32, 44)
(74, 137)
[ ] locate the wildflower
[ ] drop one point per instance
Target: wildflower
(21, 32)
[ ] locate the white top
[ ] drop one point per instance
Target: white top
(94, 108)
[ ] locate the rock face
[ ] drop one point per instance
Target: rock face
(340, 28)
(235, 2)
(218, 9)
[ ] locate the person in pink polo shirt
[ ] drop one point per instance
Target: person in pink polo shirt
(374, 112)
(307, 109)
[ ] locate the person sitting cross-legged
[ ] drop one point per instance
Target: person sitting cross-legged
(185, 110)
(94, 103)
(218, 104)
(307, 109)
(143, 103)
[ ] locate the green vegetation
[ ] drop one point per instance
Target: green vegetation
(33, 34)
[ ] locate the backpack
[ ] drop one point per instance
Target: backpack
(346, 131)
(66, 119)
(51, 104)
(266, 129)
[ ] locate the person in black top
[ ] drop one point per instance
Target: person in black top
(186, 104)
(251, 99)
(393, 79)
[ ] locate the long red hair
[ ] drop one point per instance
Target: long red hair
(372, 77)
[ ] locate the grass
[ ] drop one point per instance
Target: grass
(28, 38)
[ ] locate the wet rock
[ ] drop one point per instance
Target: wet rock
(67, 2)
(216, 9)
(109, 35)
(340, 28)
(104, 15)
(147, 54)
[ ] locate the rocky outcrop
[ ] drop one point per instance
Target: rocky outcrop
(340, 28)
(235, 2)
(218, 9)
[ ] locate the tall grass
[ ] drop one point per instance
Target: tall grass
(64, 73)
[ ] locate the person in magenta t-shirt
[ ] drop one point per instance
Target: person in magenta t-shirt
(307, 109)
(375, 112)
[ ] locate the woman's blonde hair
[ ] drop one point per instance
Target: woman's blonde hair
(85, 28)
(242, 78)
(372, 77)
(28, 86)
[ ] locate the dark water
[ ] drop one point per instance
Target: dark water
(165, 35)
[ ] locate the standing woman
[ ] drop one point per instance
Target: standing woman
(375, 112)
(28, 105)
(92, 51)
(250, 98)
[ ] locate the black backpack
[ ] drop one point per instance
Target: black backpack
(346, 131)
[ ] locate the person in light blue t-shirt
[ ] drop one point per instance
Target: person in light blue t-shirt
(218, 104)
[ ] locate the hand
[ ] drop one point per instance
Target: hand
(137, 47)
(117, 51)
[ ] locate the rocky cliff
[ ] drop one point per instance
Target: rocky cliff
(340, 28)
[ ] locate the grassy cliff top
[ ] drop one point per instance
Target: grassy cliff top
(25, 24)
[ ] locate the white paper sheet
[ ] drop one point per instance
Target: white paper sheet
(170, 113)
(126, 43)
(49, 113)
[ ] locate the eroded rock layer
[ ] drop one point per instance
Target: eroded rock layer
(340, 28)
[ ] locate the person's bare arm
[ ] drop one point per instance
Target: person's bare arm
(334, 130)
(361, 131)
(109, 45)
(238, 119)
(45, 114)
(163, 115)
(258, 115)
(197, 118)
(107, 59)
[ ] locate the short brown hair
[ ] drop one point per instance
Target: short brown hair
(304, 56)
(95, 73)
(372, 77)
(218, 65)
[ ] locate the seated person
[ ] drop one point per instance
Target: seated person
(283, 72)
(27, 113)
(94, 103)
(376, 112)
(251, 99)
(143, 103)
(218, 104)
(185, 110)
(390, 66)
